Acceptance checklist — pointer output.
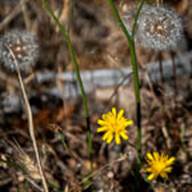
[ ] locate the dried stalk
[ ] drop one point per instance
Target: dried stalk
(30, 121)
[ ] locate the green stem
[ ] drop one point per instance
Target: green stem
(134, 27)
(135, 73)
(73, 57)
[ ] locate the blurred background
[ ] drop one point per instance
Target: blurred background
(53, 92)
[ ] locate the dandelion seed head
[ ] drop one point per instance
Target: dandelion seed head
(25, 48)
(159, 28)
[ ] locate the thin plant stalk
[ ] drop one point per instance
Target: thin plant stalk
(161, 68)
(30, 121)
(134, 27)
(135, 73)
(174, 72)
(73, 57)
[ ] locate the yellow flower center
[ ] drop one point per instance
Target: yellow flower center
(159, 166)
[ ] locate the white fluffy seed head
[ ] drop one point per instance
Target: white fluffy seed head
(23, 45)
(159, 28)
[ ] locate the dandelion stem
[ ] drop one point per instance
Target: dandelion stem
(134, 27)
(75, 64)
(161, 67)
(174, 72)
(135, 72)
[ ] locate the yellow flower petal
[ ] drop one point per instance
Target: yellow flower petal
(171, 160)
(117, 139)
(101, 122)
(164, 175)
(151, 177)
(149, 156)
(148, 169)
(102, 129)
(156, 156)
(120, 114)
(109, 138)
(124, 135)
(106, 135)
(114, 112)
(128, 123)
(168, 169)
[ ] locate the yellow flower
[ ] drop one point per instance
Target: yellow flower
(158, 165)
(114, 124)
